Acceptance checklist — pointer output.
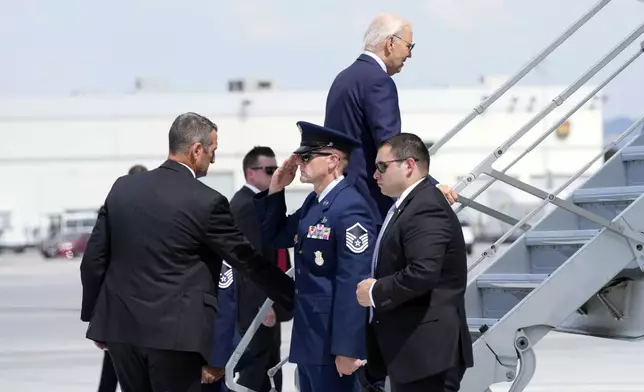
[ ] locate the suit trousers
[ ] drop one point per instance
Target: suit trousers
(108, 375)
(255, 376)
(264, 353)
(141, 369)
(447, 381)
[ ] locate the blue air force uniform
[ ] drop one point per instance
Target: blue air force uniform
(226, 337)
(333, 236)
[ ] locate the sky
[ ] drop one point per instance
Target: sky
(58, 47)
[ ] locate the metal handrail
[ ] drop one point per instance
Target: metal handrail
(489, 182)
(486, 164)
(491, 251)
(229, 376)
(519, 75)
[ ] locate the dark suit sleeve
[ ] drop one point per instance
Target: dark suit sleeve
(94, 264)
(424, 245)
(353, 266)
(246, 218)
(226, 240)
(278, 229)
(383, 112)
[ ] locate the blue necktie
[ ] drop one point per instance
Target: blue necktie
(376, 251)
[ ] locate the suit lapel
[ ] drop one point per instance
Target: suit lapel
(394, 219)
(422, 185)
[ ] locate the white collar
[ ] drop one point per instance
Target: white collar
(378, 59)
(252, 188)
(329, 188)
(407, 192)
(191, 171)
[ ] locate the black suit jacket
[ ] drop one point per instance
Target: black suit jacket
(250, 297)
(419, 327)
(152, 263)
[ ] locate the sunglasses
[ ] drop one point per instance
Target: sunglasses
(267, 169)
(382, 166)
(309, 156)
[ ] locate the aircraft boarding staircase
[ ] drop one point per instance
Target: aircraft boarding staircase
(577, 270)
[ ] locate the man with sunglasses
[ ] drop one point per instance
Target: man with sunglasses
(363, 103)
(259, 164)
(333, 233)
(417, 330)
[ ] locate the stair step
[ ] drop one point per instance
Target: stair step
(559, 237)
(632, 153)
(510, 281)
(607, 194)
(501, 292)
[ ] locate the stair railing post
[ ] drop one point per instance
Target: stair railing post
(229, 376)
(486, 165)
(519, 75)
(587, 98)
(490, 251)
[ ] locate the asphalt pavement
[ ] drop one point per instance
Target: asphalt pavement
(43, 348)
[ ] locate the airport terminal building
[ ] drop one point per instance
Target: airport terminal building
(62, 153)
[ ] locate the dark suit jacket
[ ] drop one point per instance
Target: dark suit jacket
(263, 352)
(363, 102)
(419, 327)
(152, 263)
(251, 297)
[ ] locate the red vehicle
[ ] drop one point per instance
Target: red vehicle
(68, 245)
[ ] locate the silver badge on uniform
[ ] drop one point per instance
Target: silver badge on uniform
(319, 260)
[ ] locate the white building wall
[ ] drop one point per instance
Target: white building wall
(61, 153)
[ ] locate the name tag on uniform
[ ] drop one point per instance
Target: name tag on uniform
(319, 232)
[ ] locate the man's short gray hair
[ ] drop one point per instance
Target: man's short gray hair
(383, 26)
(190, 128)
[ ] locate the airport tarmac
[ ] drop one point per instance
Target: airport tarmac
(43, 348)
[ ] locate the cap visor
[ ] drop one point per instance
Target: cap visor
(303, 149)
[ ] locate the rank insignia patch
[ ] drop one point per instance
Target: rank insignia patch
(225, 276)
(357, 238)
